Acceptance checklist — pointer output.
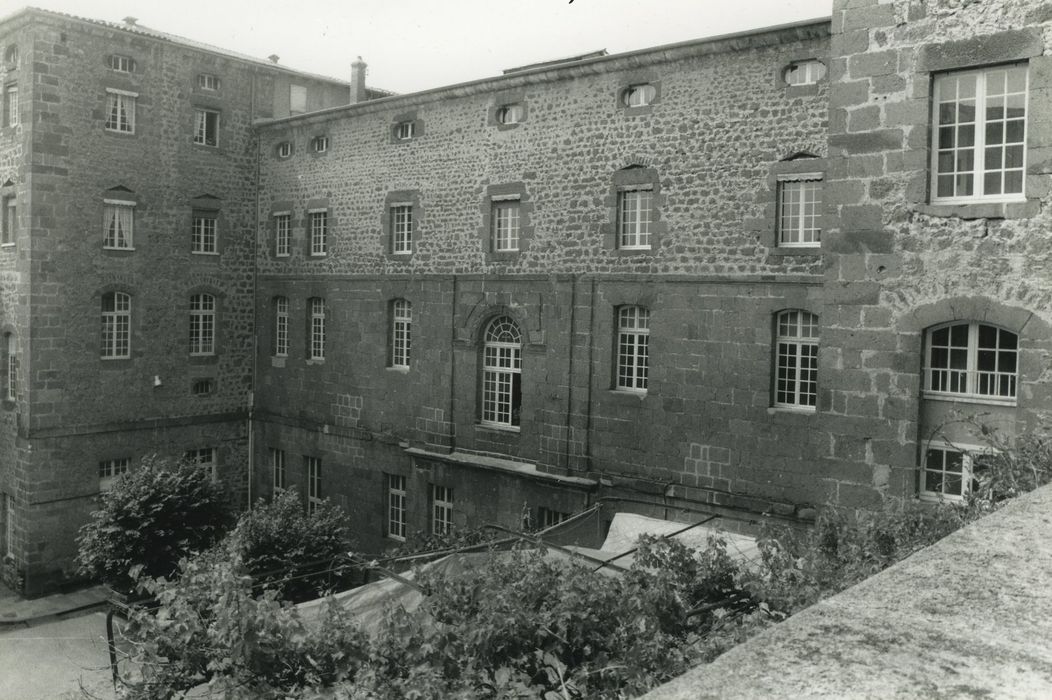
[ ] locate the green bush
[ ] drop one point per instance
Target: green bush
(280, 545)
(153, 516)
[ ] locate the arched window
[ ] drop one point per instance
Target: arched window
(401, 332)
(971, 359)
(202, 324)
(633, 348)
(116, 326)
(796, 359)
(502, 373)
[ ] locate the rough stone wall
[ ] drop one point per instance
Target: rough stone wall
(712, 283)
(897, 264)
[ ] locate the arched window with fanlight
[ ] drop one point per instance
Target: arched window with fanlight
(796, 360)
(971, 360)
(502, 373)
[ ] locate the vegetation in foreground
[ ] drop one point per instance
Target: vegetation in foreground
(523, 624)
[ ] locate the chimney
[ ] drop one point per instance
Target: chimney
(130, 21)
(358, 81)
(273, 58)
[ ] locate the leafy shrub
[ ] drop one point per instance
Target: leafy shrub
(280, 546)
(152, 517)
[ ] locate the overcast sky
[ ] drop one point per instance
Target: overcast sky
(418, 44)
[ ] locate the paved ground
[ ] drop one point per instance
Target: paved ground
(970, 616)
(56, 659)
(16, 610)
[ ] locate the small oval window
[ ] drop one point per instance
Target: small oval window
(638, 95)
(284, 149)
(510, 114)
(805, 73)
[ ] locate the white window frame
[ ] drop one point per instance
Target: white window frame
(796, 353)
(116, 327)
(501, 373)
(10, 221)
(320, 144)
(511, 113)
(284, 149)
(206, 127)
(441, 509)
(396, 507)
(282, 234)
(984, 98)
(401, 332)
(118, 231)
(800, 210)
(312, 470)
(202, 325)
(121, 63)
(11, 390)
(204, 457)
(968, 453)
(404, 131)
(277, 470)
(972, 378)
(110, 470)
(120, 111)
(806, 72)
(318, 225)
(401, 228)
(635, 217)
(208, 81)
(639, 95)
(204, 233)
(317, 329)
(281, 326)
(505, 219)
(633, 349)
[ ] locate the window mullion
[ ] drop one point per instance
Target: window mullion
(973, 359)
(980, 136)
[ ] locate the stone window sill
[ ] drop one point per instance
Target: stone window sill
(983, 210)
(812, 251)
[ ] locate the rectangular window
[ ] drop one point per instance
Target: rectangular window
(122, 64)
(203, 234)
(297, 99)
(206, 458)
(796, 383)
(396, 503)
(319, 232)
(206, 127)
(633, 348)
(203, 387)
(207, 81)
(401, 332)
(110, 469)
(312, 468)
(505, 218)
(320, 144)
(118, 224)
(972, 360)
(116, 326)
(948, 471)
(282, 234)
(634, 209)
(441, 509)
(202, 325)
(317, 328)
(120, 111)
(546, 517)
(281, 326)
(979, 151)
(402, 229)
(11, 391)
(10, 221)
(404, 131)
(277, 468)
(799, 204)
(11, 105)
(9, 526)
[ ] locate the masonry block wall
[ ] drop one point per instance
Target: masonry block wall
(900, 262)
(713, 280)
(77, 406)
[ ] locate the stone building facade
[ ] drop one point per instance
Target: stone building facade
(745, 275)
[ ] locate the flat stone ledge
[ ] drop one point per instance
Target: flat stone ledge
(970, 616)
